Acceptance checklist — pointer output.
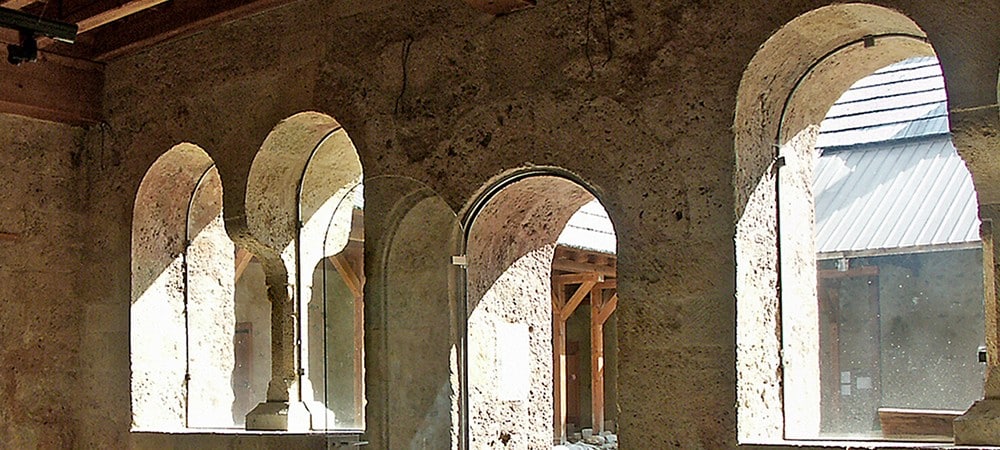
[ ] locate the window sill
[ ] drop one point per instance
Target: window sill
(872, 444)
(226, 437)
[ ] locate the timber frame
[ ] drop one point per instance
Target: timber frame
(579, 275)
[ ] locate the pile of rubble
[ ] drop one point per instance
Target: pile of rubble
(587, 440)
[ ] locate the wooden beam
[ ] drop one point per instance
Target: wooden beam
(172, 19)
(55, 88)
(577, 278)
(607, 309)
(607, 284)
(16, 4)
(109, 12)
(9, 237)
(865, 271)
(566, 265)
(348, 274)
(597, 361)
(242, 260)
(917, 422)
(576, 299)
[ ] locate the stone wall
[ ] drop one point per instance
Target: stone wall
(41, 207)
(637, 98)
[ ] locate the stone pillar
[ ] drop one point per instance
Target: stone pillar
(283, 409)
(976, 134)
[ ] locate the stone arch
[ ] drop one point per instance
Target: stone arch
(511, 232)
(785, 92)
(182, 311)
(296, 214)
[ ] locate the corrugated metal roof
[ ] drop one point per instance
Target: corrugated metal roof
(590, 229)
(888, 179)
(902, 101)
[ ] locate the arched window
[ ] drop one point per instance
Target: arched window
(182, 314)
(303, 202)
(814, 357)
(526, 327)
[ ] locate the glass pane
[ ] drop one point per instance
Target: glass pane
(336, 316)
(414, 318)
(899, 285)
(251, 337)
(210, 308)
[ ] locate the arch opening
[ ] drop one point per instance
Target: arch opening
(813, 359)
(301, 211)
(182, 297)
(540, 332)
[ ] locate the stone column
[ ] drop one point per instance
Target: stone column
(976, 134)
(283, 409)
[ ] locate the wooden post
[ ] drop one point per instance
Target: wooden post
(561, 310)
(558, 363)
(596, 360)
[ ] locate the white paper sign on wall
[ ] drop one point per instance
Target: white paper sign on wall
(514, 355)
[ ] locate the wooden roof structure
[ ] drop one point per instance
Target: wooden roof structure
(67, 82)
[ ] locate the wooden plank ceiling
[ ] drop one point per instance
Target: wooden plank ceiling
(66, 83)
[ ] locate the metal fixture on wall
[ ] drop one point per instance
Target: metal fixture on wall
(30, 28)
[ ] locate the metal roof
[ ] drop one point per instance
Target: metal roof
(902, 101)
(888, 179)
(590, 229)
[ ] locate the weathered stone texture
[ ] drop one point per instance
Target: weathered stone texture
(641, 99)
(41, 206)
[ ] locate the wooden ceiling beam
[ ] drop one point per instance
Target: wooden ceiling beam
(16, 4)
(55, 88)
(106, 12)
(170, 20)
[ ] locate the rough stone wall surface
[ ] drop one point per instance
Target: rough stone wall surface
(799, 308)
(637, 98)
(40, 329)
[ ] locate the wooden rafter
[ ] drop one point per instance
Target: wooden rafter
(109, 12)
(16, 4)
(172, 19)
(566, 265)
(577, 278)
